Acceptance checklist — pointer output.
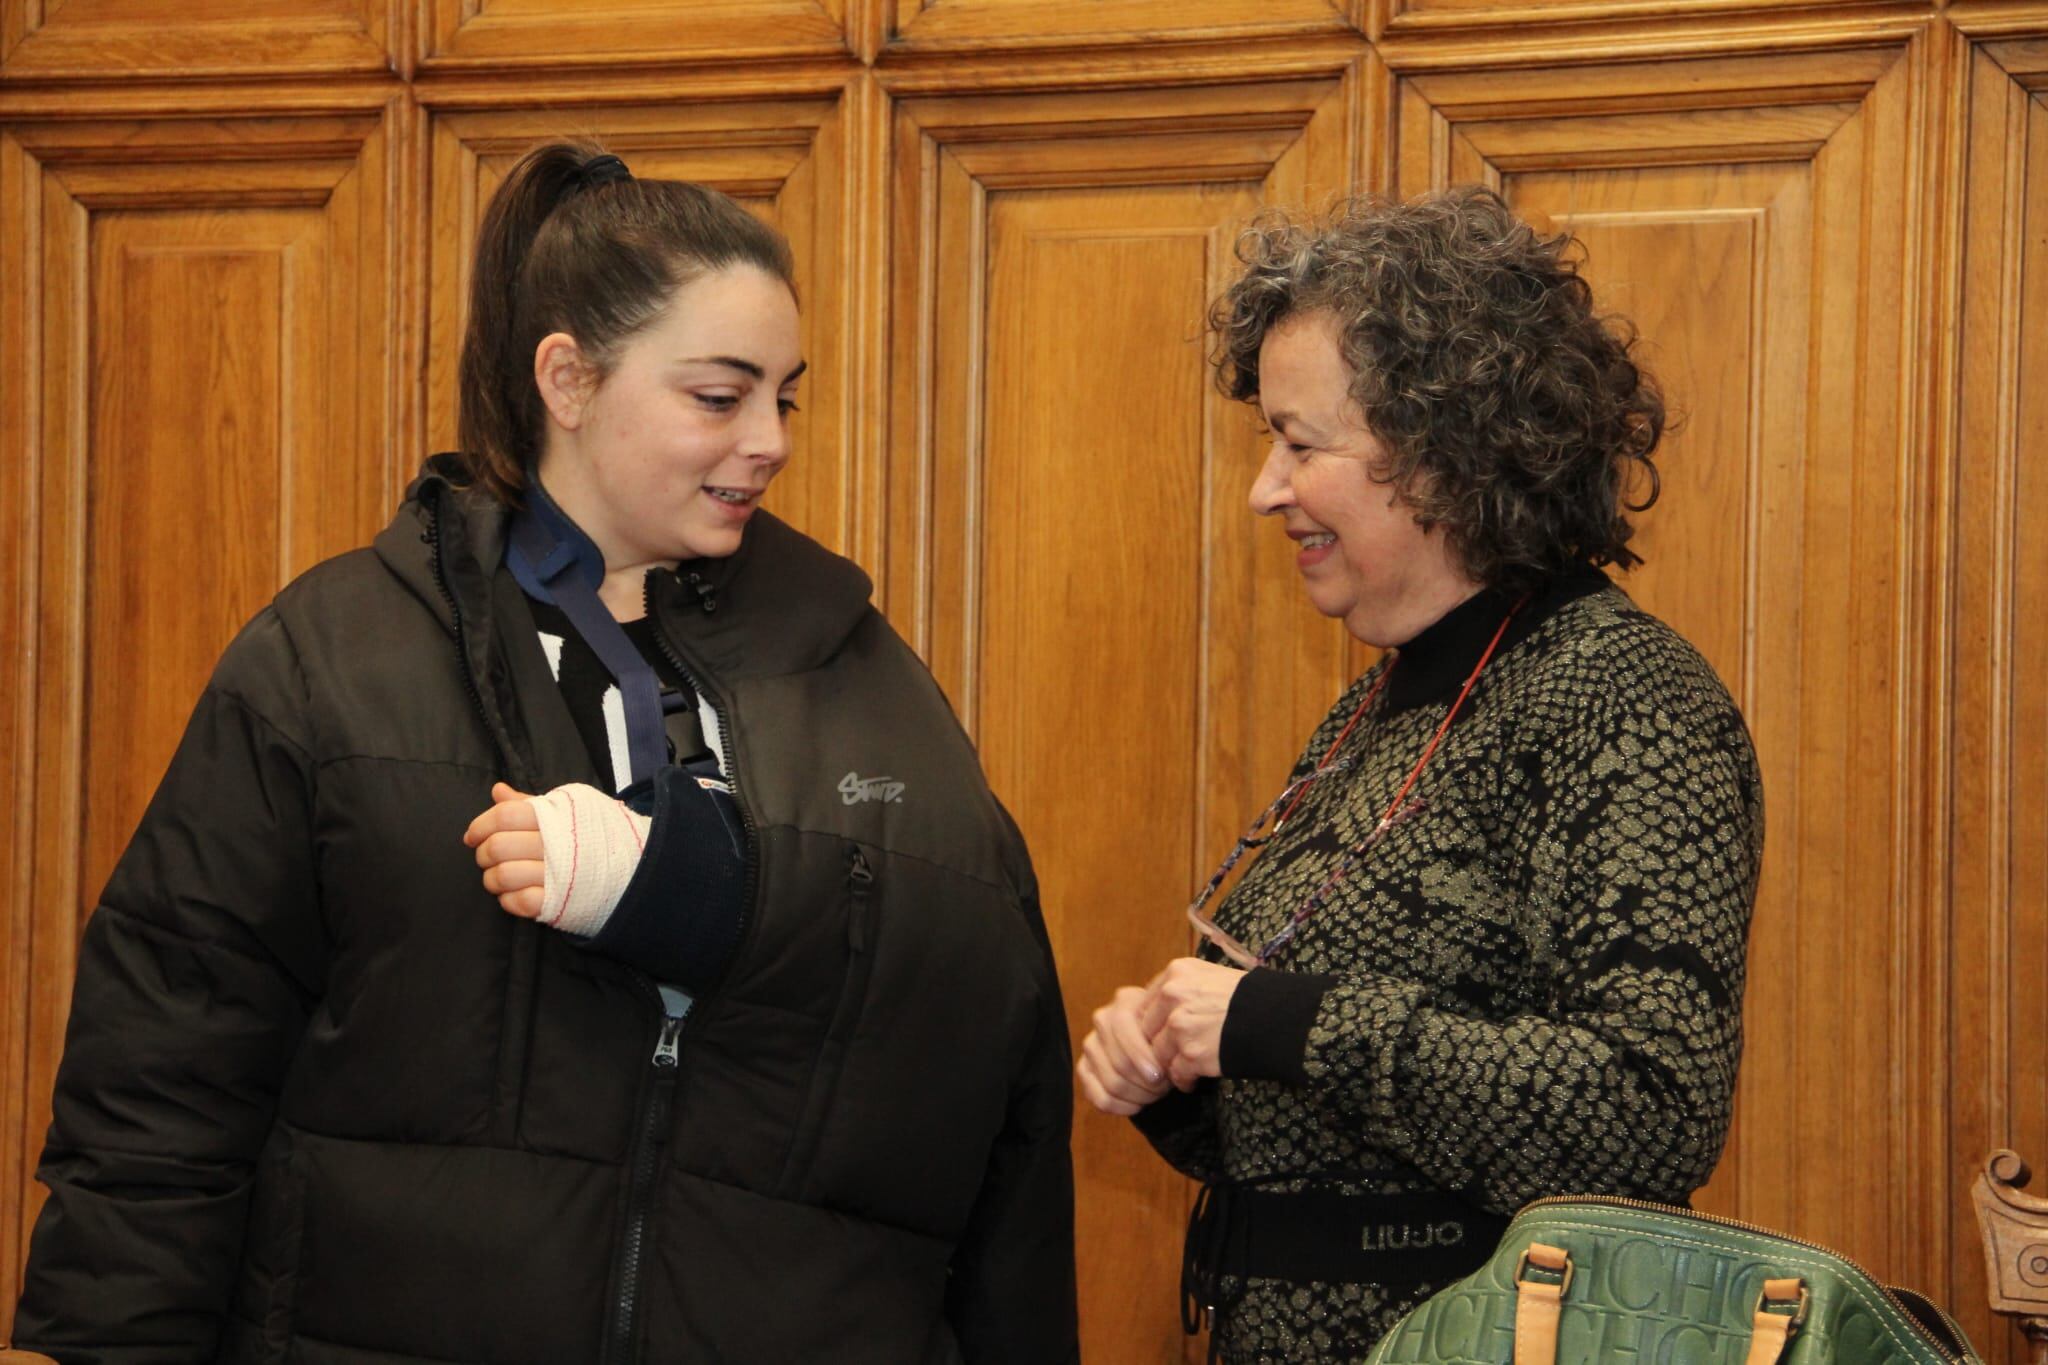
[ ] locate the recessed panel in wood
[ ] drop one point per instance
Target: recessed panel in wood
(920, 25)
(1702, 340)
(1440, 16)
(41, 38)
(1088, 686)
(1997, 850)
(192, 387)
(558, 33)
(784, 160)
(1071, 547)
(202, 360)
(1689, 262)
(1761, 241)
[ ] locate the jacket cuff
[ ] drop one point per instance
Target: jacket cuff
(1171, 1112)
(1265, 1034)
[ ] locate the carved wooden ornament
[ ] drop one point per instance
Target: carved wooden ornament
(2015, 1242)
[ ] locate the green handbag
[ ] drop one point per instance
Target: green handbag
(1588, 1281)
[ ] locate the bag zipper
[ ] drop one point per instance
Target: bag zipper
(1621, 1201)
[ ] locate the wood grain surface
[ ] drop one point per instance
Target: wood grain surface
(232, 263)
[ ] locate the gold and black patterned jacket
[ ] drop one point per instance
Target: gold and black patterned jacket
(1533, 988)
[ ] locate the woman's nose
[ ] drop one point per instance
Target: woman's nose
(767, 437)
(1271, 492)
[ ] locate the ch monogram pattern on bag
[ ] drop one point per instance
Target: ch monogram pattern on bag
(1646, 1300)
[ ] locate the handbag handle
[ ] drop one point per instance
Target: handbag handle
(1544, 1274)
(1541, 1277)
(1772, 1331)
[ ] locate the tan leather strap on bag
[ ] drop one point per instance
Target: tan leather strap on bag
(1539, 1300)
(1545, 1273)
(1780, 1313)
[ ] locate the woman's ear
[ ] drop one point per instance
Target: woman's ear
(565, 379)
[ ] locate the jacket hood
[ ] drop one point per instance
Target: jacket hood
(781, 603)
(439, 500)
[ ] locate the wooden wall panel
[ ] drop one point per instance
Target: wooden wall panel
(497, 34)
(785, 159)
(1450, 16)
(1998, 759)
(985, 25)
(1070, 543)
(1715, 200)
(1828, 219)
(60, 38)
(204, 342)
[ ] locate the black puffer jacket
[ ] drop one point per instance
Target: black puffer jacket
(322, 1101)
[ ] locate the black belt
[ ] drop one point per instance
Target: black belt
(1239, 1232)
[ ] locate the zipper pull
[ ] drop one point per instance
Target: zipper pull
(859, 877)
(665, 1049)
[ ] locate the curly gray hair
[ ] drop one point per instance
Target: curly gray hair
(1512, 414)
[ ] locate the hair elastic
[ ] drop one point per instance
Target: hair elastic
(604, 170)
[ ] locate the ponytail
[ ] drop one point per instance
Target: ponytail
(571, 242)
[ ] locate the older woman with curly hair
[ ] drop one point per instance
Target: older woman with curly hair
(1492, 945)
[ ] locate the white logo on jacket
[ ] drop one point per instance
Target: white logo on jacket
(854, 789)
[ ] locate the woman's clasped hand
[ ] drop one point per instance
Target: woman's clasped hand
(1166, 1035)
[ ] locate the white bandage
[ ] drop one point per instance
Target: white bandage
(591, 844)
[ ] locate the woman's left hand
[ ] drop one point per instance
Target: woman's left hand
(1184, 1011)
(509, 850)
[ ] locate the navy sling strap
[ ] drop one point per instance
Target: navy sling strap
(553, 561)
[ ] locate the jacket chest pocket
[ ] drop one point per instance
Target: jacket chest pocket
(859, 899)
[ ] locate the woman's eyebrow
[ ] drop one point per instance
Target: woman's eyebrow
(730, 362)
(746, 367)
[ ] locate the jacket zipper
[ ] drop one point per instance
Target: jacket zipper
(652, 1133)
(644, 1164)
(1912, 1321)
(469, 684)
(846, 1011)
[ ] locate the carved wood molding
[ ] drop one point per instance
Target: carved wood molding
(1173, 59)
(1982, 19)
(1439, 34)
(2015, 1228)
(995, 25)
(558, 34)
(83, 39)
(1995, 768)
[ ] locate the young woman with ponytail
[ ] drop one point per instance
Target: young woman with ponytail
(767, 1061)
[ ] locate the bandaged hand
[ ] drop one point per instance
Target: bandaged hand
(564, 857)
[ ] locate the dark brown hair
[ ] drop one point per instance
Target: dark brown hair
(1512, 414)
(569, 243)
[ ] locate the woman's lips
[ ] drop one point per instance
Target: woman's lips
(732, 510)
(1315, 553)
